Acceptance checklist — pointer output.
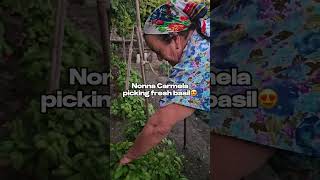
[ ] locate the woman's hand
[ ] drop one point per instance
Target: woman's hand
(156, 129)
(125, 160)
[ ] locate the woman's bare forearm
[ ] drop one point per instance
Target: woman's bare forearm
(150, 136)
(157, 128)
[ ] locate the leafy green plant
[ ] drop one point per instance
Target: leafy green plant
(131, 109)
(162, 162)
(135, 125)
(64, 144)
(123, 14)
(38, 24)
(77, 52)
(121, 67)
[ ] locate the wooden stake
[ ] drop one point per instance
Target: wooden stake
(104, 30)
(129, 60)
(57, 46)
(141, 49)
(124, 48)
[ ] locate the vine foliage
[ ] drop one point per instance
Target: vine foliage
(123, 14)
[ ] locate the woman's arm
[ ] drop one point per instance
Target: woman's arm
(157, 128)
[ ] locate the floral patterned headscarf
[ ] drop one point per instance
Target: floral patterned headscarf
(175, 16)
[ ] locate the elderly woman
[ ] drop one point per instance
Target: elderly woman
(177, 33)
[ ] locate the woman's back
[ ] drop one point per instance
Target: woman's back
(277, 43)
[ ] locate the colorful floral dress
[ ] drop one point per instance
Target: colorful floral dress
(278, 43)
(193, 70)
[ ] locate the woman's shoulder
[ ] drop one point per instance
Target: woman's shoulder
(198, 41)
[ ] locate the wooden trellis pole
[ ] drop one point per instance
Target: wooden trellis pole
(141, 50)
(108, 23)
(129, 60)
(57, 45)
(103, 7)
(124, 48)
